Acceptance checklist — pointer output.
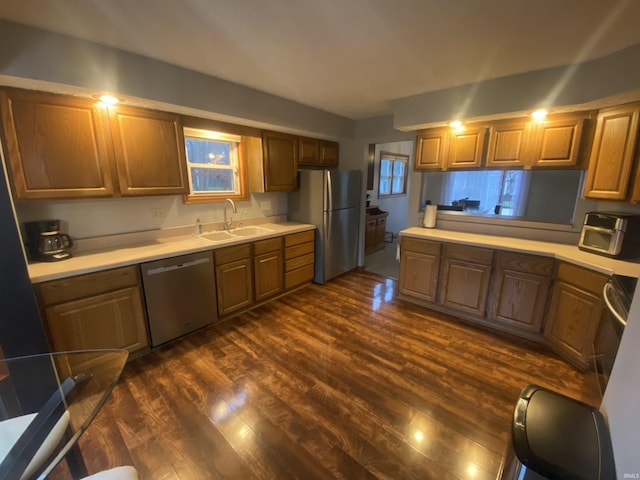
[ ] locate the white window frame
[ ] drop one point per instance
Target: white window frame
(235, 166)
(393, 157)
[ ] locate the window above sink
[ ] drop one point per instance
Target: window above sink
(216, 166)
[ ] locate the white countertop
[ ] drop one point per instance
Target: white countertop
(94, 261)
(567, 253)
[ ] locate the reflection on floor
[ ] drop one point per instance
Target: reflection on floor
(383, 262)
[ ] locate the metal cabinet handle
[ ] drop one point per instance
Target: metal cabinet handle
(605, 290)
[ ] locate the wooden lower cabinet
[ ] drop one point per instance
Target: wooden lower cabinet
(97, 310)
(376, 226)
(574, 313)
(299, 257)
(420, 265)
(520, 290)
(234, 278)
(465, 278)
(268, 267)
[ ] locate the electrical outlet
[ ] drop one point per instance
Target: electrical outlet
(157, 213)
(244, 211)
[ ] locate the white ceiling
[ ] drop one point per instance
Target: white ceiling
(348, 57)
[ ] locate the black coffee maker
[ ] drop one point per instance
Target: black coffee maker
(45, 242)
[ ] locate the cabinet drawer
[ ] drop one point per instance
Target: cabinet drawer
(232, 254)
(525, 263)
(298, 276)
(298, 250)
(417, 245)
(297, 238)
(583, 278)
(481, 256)
(381, 221)
(300, 261)
(80, 286)
(266, 246)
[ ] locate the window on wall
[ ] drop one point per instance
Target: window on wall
(393, 174)
(215, 166)
(492, 191)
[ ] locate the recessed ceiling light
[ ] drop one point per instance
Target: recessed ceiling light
(539, 114)
(109, 99)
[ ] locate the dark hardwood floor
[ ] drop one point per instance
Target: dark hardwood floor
(336, 381)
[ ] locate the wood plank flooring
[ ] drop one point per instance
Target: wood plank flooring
(336, 381)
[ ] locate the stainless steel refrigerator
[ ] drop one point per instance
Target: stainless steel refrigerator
(330, 200)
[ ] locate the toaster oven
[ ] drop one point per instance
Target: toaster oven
(612, 234)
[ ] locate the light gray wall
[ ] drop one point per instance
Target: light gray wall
(100, 217)
(612, 75)
(31, 54)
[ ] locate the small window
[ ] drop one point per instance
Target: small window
(488, 191)
(215, 165)
(393, 174)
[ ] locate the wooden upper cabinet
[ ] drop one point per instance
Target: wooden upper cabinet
(149, 151)
(466, 147)
(317, 153)
(431, 149)
(612, 155)
(56, 146)
(308, 151)
(508, 143)
(558, 140)
(64, 147)
(274, 167)
(443, 148)
(329, 153)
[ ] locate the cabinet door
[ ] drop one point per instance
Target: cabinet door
(612, 154)
(465, 285)
(519, 299)
(466, 147)
(370, 235)
(508, 142)
(557, 141)
(269, 274)
(572, 322)
(381, 226)
(431, 149)
(280, 157)
(308, 151)
(419, 275)
(329, 153)
(149, 151)
(111, 320)
(234, 283)
(56, 146)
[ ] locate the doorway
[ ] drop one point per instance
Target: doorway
(387, 205)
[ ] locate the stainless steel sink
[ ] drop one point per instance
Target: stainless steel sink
(217, 236)
(249, 231)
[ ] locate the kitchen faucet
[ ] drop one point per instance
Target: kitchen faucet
(227, 223)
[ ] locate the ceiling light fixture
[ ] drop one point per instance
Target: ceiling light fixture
(108, 100)
(539, 115)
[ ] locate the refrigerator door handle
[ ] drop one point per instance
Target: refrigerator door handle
(328, 201)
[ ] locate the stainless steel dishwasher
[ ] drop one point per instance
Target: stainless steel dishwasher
(180, 294)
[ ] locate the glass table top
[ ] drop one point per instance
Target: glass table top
(46, 402)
